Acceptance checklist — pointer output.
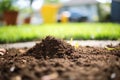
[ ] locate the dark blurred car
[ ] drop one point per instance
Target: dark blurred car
(77, 17)
(72, 14)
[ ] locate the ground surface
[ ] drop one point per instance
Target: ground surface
(95, 43)
(54, 59)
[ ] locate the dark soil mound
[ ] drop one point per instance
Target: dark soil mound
(51, 47)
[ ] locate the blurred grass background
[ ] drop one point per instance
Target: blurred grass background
(77, 31)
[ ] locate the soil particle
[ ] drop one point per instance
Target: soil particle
(54, 59)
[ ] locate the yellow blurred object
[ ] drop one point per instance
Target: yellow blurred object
(71, 39)
(109, 48)
(64, 18)
(49, 12)
(76, 45)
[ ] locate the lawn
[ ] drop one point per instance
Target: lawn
(85, 31)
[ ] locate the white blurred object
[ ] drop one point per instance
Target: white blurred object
(37, 4)
(36, 17)
(66, 13)
(23, 3)
(62, 1)
(113, 75)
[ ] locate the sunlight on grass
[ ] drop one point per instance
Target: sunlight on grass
(99, 31)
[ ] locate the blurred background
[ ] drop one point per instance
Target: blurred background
(52, 11)
(84, 19)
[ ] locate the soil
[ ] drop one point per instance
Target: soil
(55, 59)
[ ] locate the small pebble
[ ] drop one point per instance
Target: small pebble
(113, 75)
(2, 50)
(12, 68)
(21, 51)
(16, 78)
(1, 53)
(24, 61)
(50, 77)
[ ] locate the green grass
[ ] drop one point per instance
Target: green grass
(98, 31)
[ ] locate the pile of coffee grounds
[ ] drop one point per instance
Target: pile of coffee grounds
(51, 47)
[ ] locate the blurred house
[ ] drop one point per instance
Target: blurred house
(80, 10)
